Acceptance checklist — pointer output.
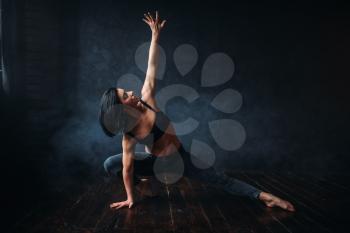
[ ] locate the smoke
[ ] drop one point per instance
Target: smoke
(257, 95)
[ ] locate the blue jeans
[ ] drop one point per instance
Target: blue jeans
(145, 165)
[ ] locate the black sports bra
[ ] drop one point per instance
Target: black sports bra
(160, 125)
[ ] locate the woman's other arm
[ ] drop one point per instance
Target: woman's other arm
(156, 25)
(128, 173)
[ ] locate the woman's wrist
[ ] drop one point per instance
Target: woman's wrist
(155, 36)
(130, 199)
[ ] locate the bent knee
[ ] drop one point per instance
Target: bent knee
(112, 165)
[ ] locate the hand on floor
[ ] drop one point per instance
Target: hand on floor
(118, 205)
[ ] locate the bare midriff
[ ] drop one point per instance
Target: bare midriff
(167, 144)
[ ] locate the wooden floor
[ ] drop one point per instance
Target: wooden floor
(189, 206)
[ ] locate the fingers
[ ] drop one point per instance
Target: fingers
(162, 24)
(114, 204)
(150, 16)
(154, 21)
(117, 205)
(147, 17)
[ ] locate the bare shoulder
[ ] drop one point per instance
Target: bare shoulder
(128, 143)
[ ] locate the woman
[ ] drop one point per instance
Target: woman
(140, 121)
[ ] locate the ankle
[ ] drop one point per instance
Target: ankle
(264, 196)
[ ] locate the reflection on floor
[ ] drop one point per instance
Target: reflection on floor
(188, 206)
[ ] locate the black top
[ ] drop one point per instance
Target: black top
(161, 123)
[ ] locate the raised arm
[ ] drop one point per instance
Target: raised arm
(128, 173)
(156, 25)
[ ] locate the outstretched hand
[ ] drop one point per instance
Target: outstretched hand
(118, 205)
(155, 24)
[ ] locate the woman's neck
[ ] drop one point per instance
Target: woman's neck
(135, 118)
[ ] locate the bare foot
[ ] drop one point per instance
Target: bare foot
(271, 201)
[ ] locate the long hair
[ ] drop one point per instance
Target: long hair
(112, 118)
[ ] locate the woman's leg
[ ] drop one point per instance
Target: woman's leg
(226, 183)
(113, 164)
(234, 186)
(218, 180)
(237, 187)
(143, 164)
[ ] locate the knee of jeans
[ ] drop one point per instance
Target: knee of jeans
(106, 165)
(109, 167)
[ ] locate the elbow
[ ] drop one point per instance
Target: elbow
(148, 92)
(127, 170)
(144, 93)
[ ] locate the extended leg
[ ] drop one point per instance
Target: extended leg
(237, 187)
(226, 183)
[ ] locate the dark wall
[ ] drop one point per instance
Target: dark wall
(287, 68)
(290, 68)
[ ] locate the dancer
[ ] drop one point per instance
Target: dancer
(140, 121)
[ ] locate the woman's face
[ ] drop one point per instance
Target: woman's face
(128, 98)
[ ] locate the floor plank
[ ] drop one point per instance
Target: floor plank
(325, 200)
(304, 209)
(209, 208)
(190, 206)
(278, 220)
(331, 208)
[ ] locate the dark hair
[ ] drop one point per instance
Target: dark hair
(112, 117)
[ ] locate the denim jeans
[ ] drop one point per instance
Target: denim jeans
(145, 165)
